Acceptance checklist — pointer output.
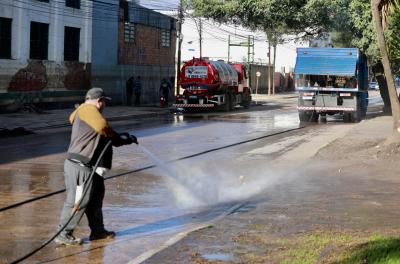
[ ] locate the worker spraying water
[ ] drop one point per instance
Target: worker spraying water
(89, 157)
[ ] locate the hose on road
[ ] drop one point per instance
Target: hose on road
(76, 208)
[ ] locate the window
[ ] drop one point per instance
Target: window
(71, 44)
(5, 38)
(129, 32)
(39, 41)
(73, 3)
(165, 38)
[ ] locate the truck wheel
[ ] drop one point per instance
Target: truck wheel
(231, 101)
(355, 117)
(245, 101)
(228, 102)
(308, 116)
(347, 117)
(246, 104)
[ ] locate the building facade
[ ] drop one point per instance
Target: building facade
(45, 50)
(54, 50)
(140, 42)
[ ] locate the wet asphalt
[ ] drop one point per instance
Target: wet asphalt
(149, 208)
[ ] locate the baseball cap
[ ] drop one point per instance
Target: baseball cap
(96, 93)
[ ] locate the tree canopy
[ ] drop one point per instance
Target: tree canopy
(296, 17)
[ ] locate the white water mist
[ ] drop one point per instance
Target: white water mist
(194, 183)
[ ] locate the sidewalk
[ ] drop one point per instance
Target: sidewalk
(59, 117)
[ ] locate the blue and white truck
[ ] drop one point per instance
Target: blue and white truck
(331, 81)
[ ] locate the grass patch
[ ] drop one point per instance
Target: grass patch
(333, 247)
(312, 248)
(378, 250)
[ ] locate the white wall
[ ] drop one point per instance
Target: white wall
(57, 15)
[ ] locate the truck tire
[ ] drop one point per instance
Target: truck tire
(227, 106)
(245, 101)
(355, 117)
(347, 117)
(246, 104)
(232, 101)
(311, 116)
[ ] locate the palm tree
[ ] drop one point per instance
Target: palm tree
(381, 9)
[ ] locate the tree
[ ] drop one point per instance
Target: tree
(381, 10)
(277, 18)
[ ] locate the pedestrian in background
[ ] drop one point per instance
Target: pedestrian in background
(137, 87)
(129, 90)
(165, 88)
(90, 135)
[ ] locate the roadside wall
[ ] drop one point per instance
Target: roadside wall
(283, 82)
(113, 80)
(24, 80)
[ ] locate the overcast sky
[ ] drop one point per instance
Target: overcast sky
(160, 4)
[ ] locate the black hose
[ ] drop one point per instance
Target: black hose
(85, 191)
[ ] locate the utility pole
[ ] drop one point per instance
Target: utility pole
(269, 68)
(229, 46)
(249, 44)
(250, 51)
(180, 38)
(201, 37)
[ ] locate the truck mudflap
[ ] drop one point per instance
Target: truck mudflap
(193, 105)
(325, 109)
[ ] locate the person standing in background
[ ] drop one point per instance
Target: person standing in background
(165, 88)
(129, 90)
(137, 87)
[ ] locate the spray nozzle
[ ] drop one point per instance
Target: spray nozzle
(129, 138)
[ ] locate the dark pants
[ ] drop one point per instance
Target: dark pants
(129, 93)
(91, 203)
(137, 98)
(165, 95)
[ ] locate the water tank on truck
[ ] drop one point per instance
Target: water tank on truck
(213, 84)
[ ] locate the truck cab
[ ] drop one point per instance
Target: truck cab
(331, 81)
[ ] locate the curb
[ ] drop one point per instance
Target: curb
(173, 240)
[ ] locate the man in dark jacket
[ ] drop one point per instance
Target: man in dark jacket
(90, 135)
(165, 88)
(137, 87)
(129, 91)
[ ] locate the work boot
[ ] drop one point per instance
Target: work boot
(102, 235)
(67, 239)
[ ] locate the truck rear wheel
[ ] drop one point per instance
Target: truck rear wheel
(311, 116)
(227, 106)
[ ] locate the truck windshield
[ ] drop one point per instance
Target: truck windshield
(328, 81)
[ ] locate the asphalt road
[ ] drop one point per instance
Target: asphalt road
(151, 208)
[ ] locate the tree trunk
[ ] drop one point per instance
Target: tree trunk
(379, 74)
(269, 67)
(273, 70)
(394, 102)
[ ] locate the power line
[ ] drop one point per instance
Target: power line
(106, 11)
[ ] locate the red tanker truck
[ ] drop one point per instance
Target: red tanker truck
(213, 84)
